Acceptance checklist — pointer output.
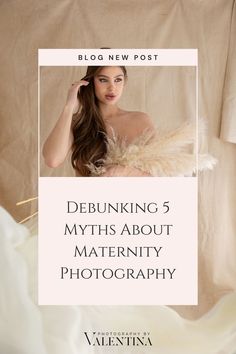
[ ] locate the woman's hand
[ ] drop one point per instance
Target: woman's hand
(72, 96)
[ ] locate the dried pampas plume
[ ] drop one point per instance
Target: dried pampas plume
(158, 153)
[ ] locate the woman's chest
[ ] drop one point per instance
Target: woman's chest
(123, 132)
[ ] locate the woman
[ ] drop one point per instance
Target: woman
(90, 118)
(106, 140)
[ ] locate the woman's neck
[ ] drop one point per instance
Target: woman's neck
(108, 112)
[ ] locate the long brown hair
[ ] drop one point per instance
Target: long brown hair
(88, 127)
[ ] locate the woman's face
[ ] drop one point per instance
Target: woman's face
(109, 84)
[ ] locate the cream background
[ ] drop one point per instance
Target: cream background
(207, 25)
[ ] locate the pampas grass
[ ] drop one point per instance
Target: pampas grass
(158, 153)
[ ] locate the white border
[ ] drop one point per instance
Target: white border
(158, 57)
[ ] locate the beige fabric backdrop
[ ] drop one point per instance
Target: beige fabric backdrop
(207, 25)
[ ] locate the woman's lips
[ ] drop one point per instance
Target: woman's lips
(110, 97)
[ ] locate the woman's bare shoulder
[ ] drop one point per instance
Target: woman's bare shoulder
(142, 119)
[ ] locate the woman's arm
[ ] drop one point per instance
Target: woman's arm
(60, 140)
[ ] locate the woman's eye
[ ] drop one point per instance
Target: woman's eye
(102, 80)
(118, 80)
